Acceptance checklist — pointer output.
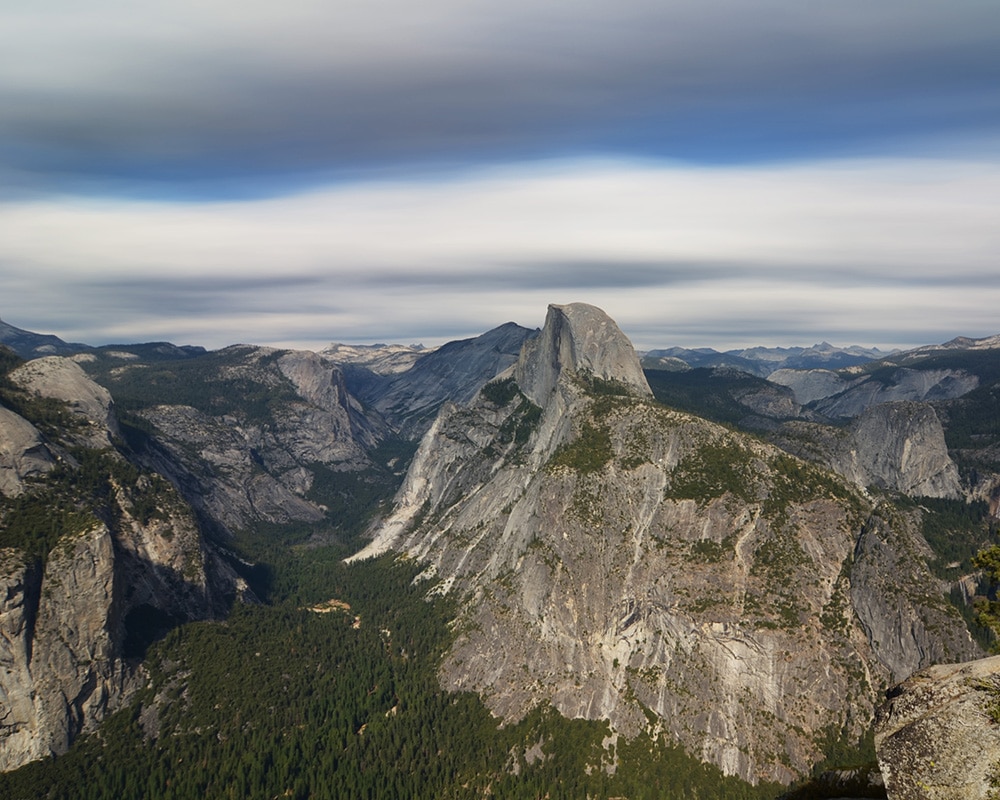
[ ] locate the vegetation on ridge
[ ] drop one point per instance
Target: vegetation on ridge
(217, 383)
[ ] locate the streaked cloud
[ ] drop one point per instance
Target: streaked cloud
(221, 98)
(709, 171)
(882, 252)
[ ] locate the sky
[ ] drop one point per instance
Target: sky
(709, 172)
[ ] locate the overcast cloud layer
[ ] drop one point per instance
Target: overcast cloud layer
(711, 173)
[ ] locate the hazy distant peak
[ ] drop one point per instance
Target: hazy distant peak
(762, 361)
(32, 345)
(964, 343)
(383, 359)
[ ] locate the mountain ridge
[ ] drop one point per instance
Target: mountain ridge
(583, 551)
(609, 557)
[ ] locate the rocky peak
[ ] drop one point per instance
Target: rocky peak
(74, 620)
(454, 372)
(901, 446)
(577, 338)
(616, 559)
(23, 452)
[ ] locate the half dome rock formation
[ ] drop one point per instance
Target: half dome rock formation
(578, 338)
(620, 560)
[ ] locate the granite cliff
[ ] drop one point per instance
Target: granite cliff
(899, 446)
(96, 560)
(746, 596)
(624, 561)
(243, 432)
(849, 392)
(409, 398)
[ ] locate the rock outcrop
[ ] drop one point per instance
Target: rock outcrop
(617, 558)
(937, 736)
(898, 446)
(921, 385)
(810, 385)
(23, 453)
(123, 562)
(238, 468)
(381, 359)
(69, 627)
(70, 624)
(577, 338)
(73, 668)
(900, 604)
(63, 379)
(217, 464)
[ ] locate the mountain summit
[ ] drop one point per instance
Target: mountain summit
(577, 338)
(620, 560)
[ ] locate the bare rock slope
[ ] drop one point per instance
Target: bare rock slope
(63, 379)
(254, 459)
(88, 576)
(895, 445)
(409, 398)
(23, 453)
(619, 560)
(938, 734)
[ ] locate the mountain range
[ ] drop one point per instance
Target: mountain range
(727, 556)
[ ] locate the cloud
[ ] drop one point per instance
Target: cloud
(221, 98)
(868, 251)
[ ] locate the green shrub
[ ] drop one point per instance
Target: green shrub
(590, 451)
(501, 392)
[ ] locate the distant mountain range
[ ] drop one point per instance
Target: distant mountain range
(762, 361)
(386, 359)
(32, 345)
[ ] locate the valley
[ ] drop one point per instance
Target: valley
(545, 569)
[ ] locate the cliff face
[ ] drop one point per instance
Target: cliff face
(90, 576)
(810, 385)
(847, 395)
(617, 557)
(410, 398)
(899, 603)
(63, 667)
(23, 453)
(62, 379)
(577, 338)
(898, 446)
(254, 461)
(72, 626)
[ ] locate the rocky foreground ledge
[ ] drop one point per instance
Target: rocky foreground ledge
(938, 734)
